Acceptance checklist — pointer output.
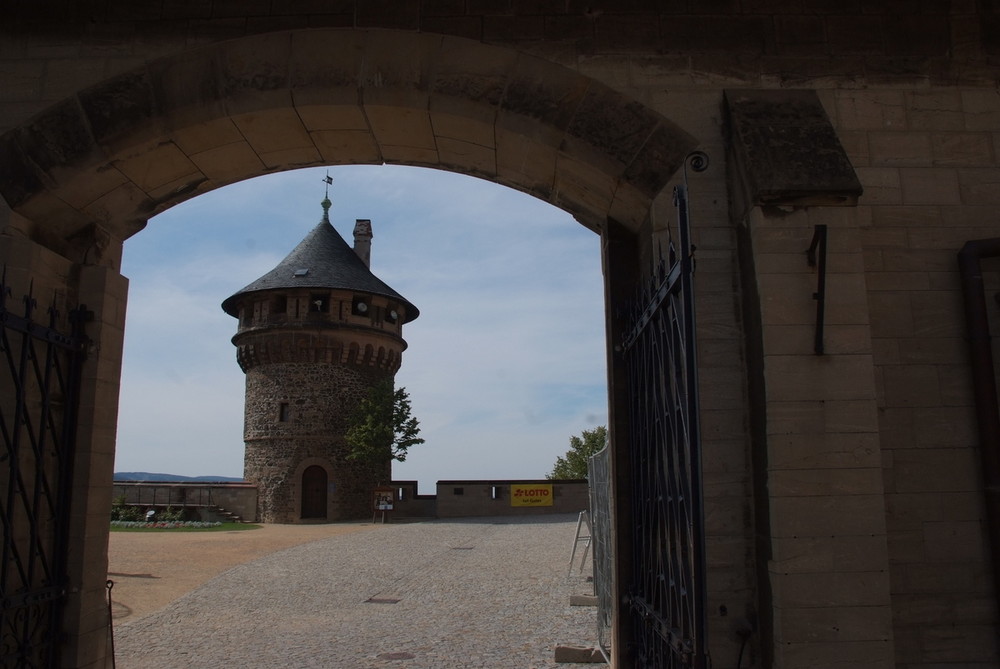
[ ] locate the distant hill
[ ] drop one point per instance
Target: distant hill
(173, 478)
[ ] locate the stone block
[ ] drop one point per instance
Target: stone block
(891, 314)
(824, 554)
(832, 589)
(85, 186)
(956, 541)
(227, 163)
(273, 130)
(525, 164)
(823, 482)
(818, 377)
(962, 149)
(583, 189)
(578, 654)
(332, 117)
(471, 158)
(153, 167)
(907, 217)
(944, 426)
(982, 109)
(810, 451)
(936, 577)
(929, 185)
(828, 515)
(200, 137)
(834, 624)
(882, 185)
(938, 314)
(401, 127)
(934, 110)
(899, 149)
(724, 424)
(346, 146)
(979, 186)
(473, 130)
(897, 281)
(870, 109)
(911, 386)
(835, 655)
(935, 470)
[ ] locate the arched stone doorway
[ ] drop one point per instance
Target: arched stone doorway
(88, 173)
(314, 484)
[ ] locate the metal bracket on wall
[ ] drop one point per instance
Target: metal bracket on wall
(816, 256)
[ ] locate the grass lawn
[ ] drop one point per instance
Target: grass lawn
(224, 527)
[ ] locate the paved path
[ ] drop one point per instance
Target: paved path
(487, 592)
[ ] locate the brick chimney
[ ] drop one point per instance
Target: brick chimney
(363, 240)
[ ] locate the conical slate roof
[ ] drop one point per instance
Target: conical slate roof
(321, 260)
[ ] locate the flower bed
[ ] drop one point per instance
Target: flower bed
(162, 524)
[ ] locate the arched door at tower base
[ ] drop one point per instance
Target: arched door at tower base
(314, 492)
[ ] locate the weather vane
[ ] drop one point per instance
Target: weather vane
(329, 181)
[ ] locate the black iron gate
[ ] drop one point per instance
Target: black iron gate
(39, 389)
(667, 597)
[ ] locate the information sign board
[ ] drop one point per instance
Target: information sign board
(531, 494)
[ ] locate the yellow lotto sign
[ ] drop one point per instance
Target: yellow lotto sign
(531, 494)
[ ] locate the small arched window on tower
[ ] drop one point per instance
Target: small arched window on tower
(284, 415)
(280, 304)
(361, 306)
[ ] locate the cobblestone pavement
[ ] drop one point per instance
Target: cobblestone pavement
(485, 592)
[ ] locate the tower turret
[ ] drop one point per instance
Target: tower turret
(314, 335)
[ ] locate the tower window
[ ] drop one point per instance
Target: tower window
(280, 304)
(392, 314)
(360, 307)
(283, 412)
(319, 302)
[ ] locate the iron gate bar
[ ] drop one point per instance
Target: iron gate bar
(38, 426)
(668, 597)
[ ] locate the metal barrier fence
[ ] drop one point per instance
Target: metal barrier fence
(598, 473)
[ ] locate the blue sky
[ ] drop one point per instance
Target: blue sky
(504, 364)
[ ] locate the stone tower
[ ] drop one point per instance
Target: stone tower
(314, 335)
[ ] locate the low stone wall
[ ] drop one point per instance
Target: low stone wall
(454, 499)
(510, 497)
(410, 505)
(239, 499)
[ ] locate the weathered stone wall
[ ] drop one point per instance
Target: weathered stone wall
(320, 399)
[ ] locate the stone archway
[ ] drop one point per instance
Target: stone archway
(119, 152)
(88, 173)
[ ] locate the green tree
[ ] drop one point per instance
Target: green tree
(573, 465)
(381, 429)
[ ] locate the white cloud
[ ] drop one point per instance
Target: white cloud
(505, 362)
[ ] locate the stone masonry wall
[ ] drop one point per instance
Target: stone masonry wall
(319, 399)
(930, 163)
